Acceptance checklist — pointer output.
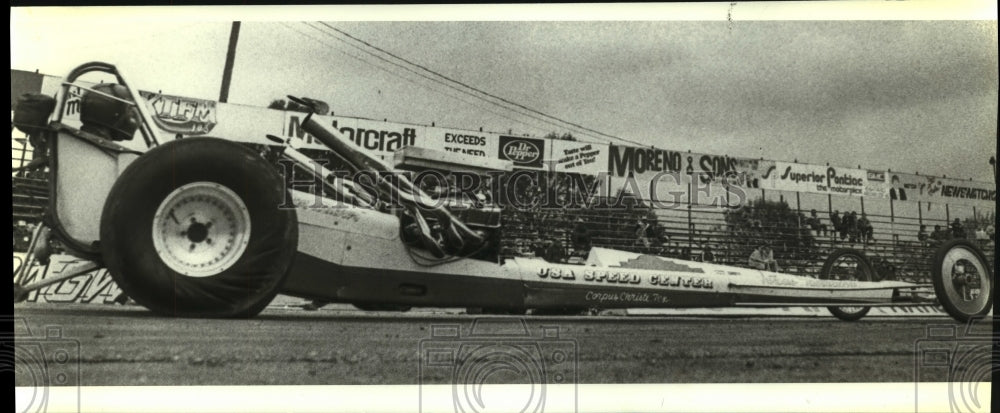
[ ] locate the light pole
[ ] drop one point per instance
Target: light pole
(993, 163)
(227, 71)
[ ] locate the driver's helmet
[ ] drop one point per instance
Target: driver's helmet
(108, 117)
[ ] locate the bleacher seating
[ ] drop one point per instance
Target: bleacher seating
(894, 247)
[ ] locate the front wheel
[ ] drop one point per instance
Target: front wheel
(848, 264)
(962, 279)
(196, 228)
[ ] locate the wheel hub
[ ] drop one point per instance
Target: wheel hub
(201, 229)
(197, 232)
(966, 289)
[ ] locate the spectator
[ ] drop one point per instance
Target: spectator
(555, 252)
(939, 235)
(707, 255)
(686, 253)
(884, 269)
(922, 235)
(838, 224)
(850, 227)
(549, 250)
(661, 235)
(581, 235)
(980, 235)
(762, 258)
(957, 230)
(867, 231)
(815, 224)
(641, 228)
(805, 244)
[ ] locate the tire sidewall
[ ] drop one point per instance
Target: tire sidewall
(824, 274)
(849, 315)
(127, 230)
(938, 279)
(842, 252)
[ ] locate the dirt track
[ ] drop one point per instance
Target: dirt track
(127, 345)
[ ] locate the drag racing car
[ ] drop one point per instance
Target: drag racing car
(207, 227)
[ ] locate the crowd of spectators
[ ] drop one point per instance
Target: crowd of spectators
(793, 238)
(788, 232)
(851, 227)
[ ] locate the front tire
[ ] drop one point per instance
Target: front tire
(848, 264)
(194, 228)
(963, 280)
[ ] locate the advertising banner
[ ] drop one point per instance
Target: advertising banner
(95, 287)
(909, 187)
(523, 152)
(624, 161)
(181, 115)
(71, 111)
(877, 186)
(818, 179)
(754, 173)
(649, 173)
(578, 157)
(478, 144)
(379, 139)
(726, 170)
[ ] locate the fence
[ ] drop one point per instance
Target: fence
(685, 231)
(696, 231)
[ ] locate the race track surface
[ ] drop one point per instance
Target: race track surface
(128, 345)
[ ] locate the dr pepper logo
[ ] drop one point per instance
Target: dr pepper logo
(522, 151)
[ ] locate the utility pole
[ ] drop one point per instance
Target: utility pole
(993, 163)
(227, 73)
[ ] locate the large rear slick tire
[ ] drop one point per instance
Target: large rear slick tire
(963, 280)
(194, 228)
(848, 264)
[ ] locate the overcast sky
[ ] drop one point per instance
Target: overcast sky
(906, 95)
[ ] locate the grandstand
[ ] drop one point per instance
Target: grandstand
(29, 195)
(686, 231)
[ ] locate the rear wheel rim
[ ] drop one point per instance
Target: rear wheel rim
(965, 280)
(201, 229)
(850, 267)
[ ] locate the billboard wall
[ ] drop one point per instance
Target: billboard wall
(644, 168)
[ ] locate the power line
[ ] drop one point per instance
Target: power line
(432, 79)
(478, 90)
(411, 81)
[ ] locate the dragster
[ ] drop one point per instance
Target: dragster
(208, 227)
